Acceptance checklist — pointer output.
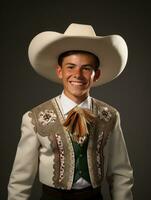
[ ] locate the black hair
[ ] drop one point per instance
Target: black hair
(71, 52)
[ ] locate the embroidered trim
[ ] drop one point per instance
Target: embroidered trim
(64, 164)
(98, 157)
(51, 126)
(61, 156)
(99, 139)
(105, 114)
(47, 116)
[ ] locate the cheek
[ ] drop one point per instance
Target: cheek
(89, 76)
(67, 74)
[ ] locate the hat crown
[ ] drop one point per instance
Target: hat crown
(80, 30)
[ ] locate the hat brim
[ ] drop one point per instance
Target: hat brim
(45, 48)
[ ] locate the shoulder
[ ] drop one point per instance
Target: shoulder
(40, 114)
(105, 110)
(42, 107)
(102, 104)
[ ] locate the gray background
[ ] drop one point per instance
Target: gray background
(22, 89)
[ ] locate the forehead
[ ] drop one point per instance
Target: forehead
(80, 57)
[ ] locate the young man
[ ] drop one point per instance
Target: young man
(74, 140)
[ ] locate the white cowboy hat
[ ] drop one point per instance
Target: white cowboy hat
(46, 47)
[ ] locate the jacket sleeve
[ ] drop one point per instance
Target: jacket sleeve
(119, 172)
(25, 163)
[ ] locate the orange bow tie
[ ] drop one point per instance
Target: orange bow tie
(76, 123)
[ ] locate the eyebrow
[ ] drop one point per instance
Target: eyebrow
(70, 64)
(85, 65)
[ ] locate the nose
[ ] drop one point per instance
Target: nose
(78, 72)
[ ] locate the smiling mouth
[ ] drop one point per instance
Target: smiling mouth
(77, 83)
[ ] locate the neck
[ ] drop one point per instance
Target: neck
(79, 100)
(76, 99)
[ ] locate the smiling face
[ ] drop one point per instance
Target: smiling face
(78, 73)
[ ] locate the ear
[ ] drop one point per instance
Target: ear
(97, 75)
(59, 71)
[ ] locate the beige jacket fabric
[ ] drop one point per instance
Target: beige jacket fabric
(46, 146)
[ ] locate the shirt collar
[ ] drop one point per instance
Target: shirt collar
(67, 104)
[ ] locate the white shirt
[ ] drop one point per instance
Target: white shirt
(67, 105)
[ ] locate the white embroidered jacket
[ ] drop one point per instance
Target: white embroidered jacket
(46, 145)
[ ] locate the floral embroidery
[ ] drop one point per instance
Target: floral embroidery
(81, 140)
(98, 157)
(46, 117)
(105, 114)
(62, 158)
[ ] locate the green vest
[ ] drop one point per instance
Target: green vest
(81, 165)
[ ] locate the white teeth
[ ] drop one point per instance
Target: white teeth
(76, 83)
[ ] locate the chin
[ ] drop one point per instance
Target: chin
(80, 95)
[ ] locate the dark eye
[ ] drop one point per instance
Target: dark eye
(70, 66)
(88, 68)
